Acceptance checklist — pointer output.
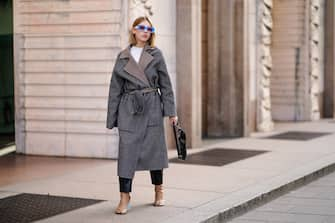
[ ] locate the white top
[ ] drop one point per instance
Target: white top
(136, 52)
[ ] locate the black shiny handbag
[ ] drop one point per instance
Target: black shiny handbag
(180, 137)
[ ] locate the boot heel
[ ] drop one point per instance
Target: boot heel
(160, 202)
(124, 211)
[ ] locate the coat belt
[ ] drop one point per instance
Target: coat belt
(138, 99)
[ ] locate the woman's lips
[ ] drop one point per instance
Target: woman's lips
(145, 35)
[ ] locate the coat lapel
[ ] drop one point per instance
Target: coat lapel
(137, 69)
(145, 58)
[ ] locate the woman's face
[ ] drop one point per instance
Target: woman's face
(142, 35)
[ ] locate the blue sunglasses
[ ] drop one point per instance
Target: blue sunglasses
(145, 28)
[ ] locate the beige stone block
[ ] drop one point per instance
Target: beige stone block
(84, 28)
(43, 102)
(68, 66)
(55, 78)
(45, 114)
(265, 93)
(85, 115)
(45, 90)
(71, 41)
(266, 71)
(45, 143)
(43, 66)
(288, 101)
(266, 82)
(283, 112)
(87, 79)
(45, 126)
(34, 41)
(290, 38)
(266, 103)
(315, 115)
(86, 91)
(280, 74)
(68, 6)
(169, 52)
(61, 78)
(315, 50)
(266, 126)
(89, 127)
(289, 87)
(294, 5)
(85, 103)
(164, 17)
(82, 54)
(315, 103)
(85, 145)
(89, 66)
(71, 18)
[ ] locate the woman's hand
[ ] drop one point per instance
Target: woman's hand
(173, 120)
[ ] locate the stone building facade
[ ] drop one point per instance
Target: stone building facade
(237, 66)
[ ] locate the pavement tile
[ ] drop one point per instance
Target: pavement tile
(295, 201)
(283, 217)
(310, 203)
(247, 221)
(104, 213)
(330, 219)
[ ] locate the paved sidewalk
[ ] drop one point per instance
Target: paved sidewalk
(313, 203)
(193, 193)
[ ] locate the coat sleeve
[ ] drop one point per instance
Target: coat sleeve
(115, 92)
(167, 95)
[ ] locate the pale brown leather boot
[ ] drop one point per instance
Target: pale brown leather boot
(159, 201)
(124, 204)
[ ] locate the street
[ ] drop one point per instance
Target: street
(314, 203)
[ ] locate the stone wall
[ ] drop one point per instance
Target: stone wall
(64, 54)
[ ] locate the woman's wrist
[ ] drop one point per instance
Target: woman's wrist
(173, 119)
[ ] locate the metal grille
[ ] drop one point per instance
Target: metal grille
(218, 156)
(27, 207)
(297, 135)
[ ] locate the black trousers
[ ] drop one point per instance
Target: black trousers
(126, 183)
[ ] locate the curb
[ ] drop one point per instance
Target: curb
(241, 209)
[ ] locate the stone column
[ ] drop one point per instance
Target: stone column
(19, 87)
(329, 81)
(314, 57)
(226, 104)
(140, 8)
(222, 100)
(188, 67)
(264, 117)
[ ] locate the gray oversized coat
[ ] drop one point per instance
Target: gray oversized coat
(142, 144)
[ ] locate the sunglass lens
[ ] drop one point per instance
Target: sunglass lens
(144, 28)
(139, 27)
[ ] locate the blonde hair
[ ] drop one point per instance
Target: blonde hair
(132, 38)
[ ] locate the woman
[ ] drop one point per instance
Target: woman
(140, 95)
